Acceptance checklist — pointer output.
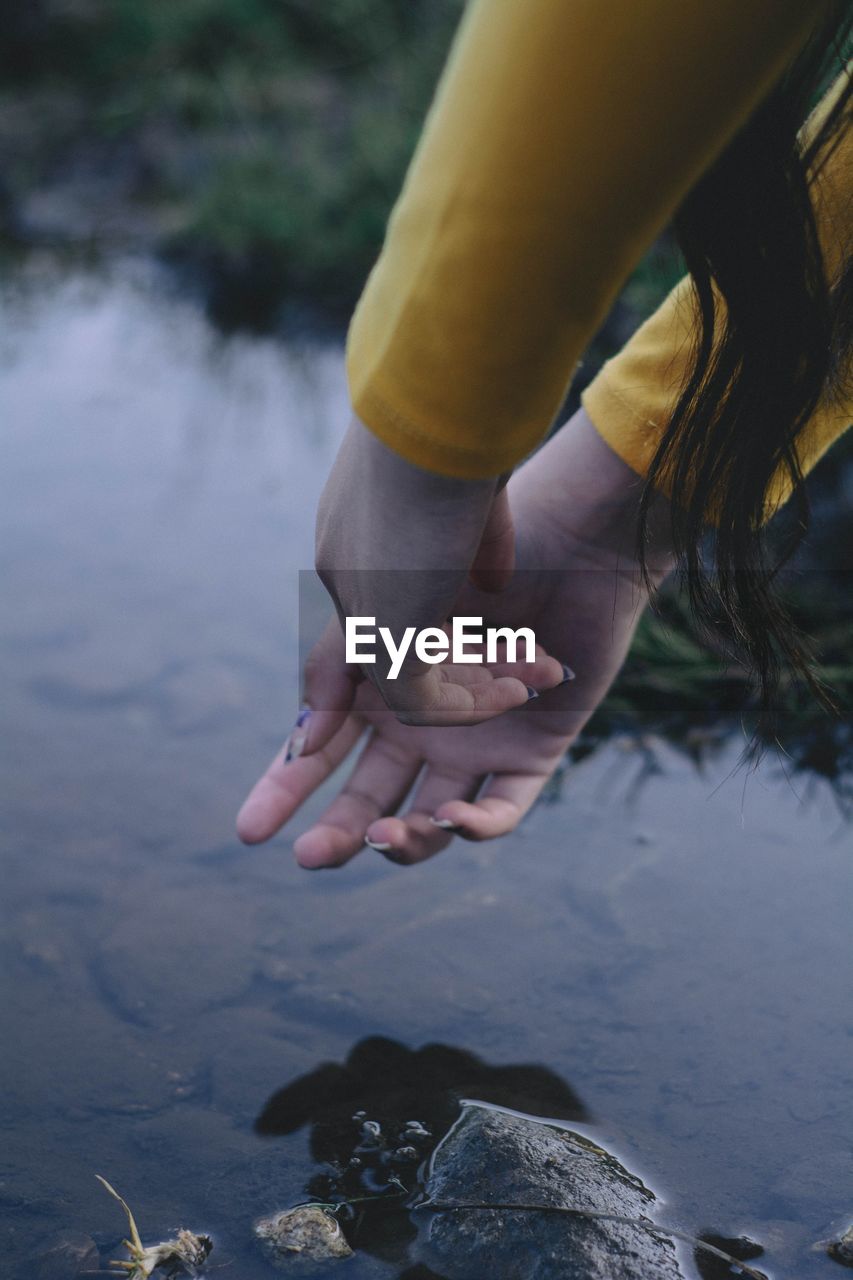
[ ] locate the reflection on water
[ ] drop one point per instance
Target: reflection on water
(377, 1116)
(682, 960)
(390, 1081)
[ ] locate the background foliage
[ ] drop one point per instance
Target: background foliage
(261, 142)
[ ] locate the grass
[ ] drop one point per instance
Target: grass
(258, 144)
(692, 693)
(271, 135)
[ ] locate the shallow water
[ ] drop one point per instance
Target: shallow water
(674, 965)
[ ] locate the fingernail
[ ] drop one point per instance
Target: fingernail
(568, 674)
(531, 694)
(445, 824)
(295, 744)
(387, 850)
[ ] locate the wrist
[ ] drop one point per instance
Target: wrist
(587, 501)
(379, 511)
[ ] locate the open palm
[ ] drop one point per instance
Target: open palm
(476, 781)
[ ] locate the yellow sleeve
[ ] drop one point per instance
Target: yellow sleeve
(632, 398)
(562, 136)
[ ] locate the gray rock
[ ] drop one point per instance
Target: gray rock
(495, 1157)
(305, 1235)
(199, 962)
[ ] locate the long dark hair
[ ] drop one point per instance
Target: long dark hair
(761, 364)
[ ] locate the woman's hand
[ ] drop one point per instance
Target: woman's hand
(578, 586)
(396, 544)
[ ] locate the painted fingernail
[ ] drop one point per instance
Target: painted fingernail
(389, 853)
(445, 824)
(568, 674)
(531, 694)
(295, 744)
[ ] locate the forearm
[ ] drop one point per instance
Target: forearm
(562, 137)
(395, 542)
(400, 516)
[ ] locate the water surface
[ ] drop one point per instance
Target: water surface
(671, 968)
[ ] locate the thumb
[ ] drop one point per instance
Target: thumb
(329, 686)
(495, 559)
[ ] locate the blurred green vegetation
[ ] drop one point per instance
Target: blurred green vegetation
(690, 690)
(262, 141)
(685, 691)
(259, 144)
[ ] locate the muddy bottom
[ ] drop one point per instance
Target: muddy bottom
(668, 968)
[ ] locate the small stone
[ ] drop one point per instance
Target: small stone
(307, 1233)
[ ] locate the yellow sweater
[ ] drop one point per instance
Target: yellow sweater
(563, 135)
(633, 396)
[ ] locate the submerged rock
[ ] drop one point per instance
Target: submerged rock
(842, 1249)
(65, 1257)
(495, 1157)
(307, 1234)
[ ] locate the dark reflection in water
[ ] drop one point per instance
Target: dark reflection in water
(392, 1083)
(377, 1116)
